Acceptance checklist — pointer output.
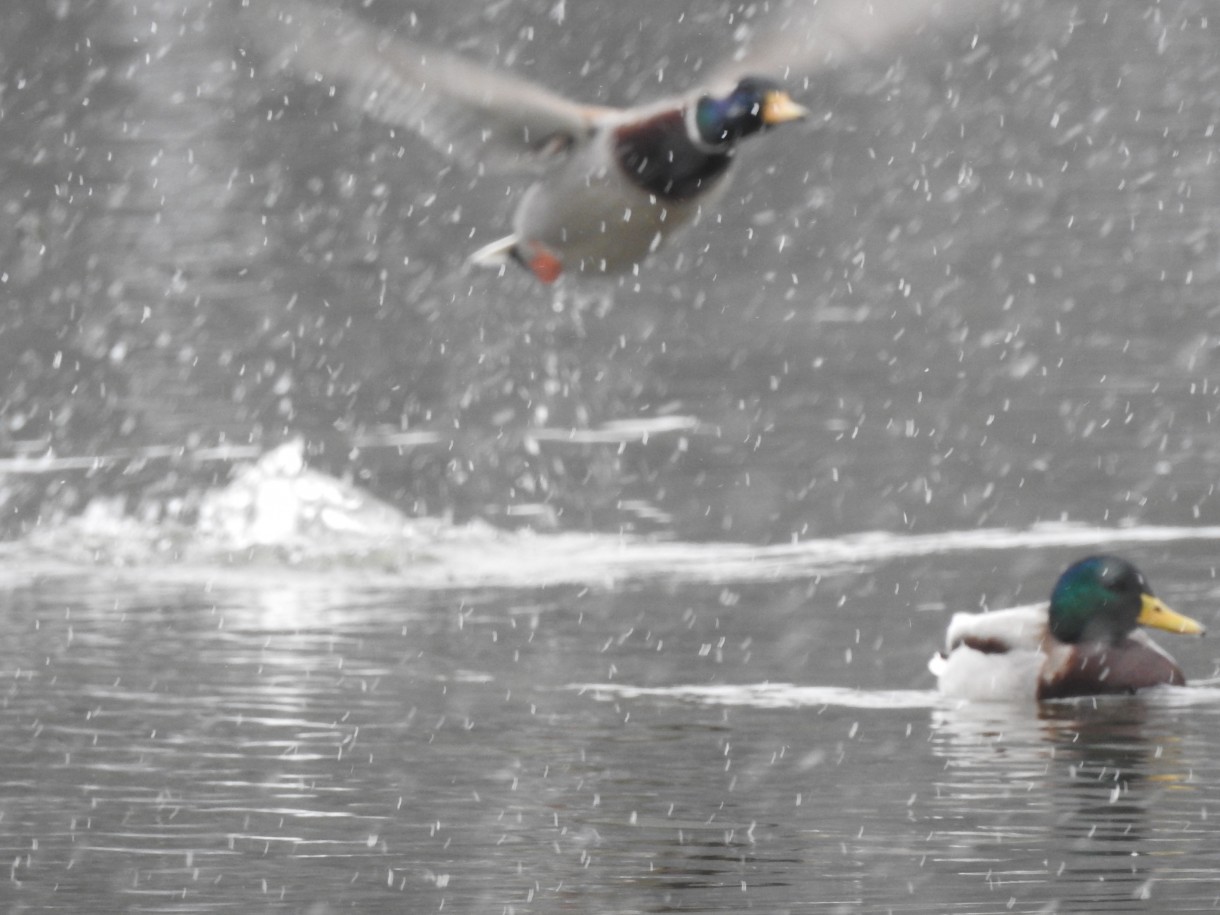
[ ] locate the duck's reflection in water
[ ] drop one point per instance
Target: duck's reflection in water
(1068, 804)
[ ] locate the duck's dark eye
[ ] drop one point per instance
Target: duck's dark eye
(1123, 579)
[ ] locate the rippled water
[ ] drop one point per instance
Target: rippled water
(952, 333)
(324, 749)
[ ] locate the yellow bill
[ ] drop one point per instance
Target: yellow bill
(1156, 615)
(778, 107)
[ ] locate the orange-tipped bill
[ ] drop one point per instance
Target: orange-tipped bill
(778, 107)
(1156, 615)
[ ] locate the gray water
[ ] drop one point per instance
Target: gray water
(323, 749)
(953, 332)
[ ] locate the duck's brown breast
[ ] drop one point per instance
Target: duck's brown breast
(657, 155)
(1096, 670)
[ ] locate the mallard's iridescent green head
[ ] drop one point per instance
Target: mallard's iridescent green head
(754, 104)
(1103, 598)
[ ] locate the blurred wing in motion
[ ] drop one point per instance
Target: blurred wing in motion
(479, 116)
(804, 37)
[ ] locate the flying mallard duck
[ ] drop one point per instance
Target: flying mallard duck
(1084, 643)
(614, 183)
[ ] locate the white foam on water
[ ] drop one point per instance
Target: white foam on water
(788, 695)
(564, 558)
(768, 695)
(432, 554)
(277, 514)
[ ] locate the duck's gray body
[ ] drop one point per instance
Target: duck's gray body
(602, 210)
(596, 220)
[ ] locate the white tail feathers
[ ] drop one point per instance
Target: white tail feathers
(497, 254)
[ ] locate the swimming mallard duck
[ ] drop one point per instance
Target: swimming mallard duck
(614, 183)
(1084, 643)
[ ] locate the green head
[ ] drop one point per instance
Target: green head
(1103, 598)
(754, 104)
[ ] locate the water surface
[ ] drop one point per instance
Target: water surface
(651, 748)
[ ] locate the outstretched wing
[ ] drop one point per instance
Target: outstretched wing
(804, 37)
(479, 116)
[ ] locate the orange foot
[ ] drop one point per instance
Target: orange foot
(541, 261)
